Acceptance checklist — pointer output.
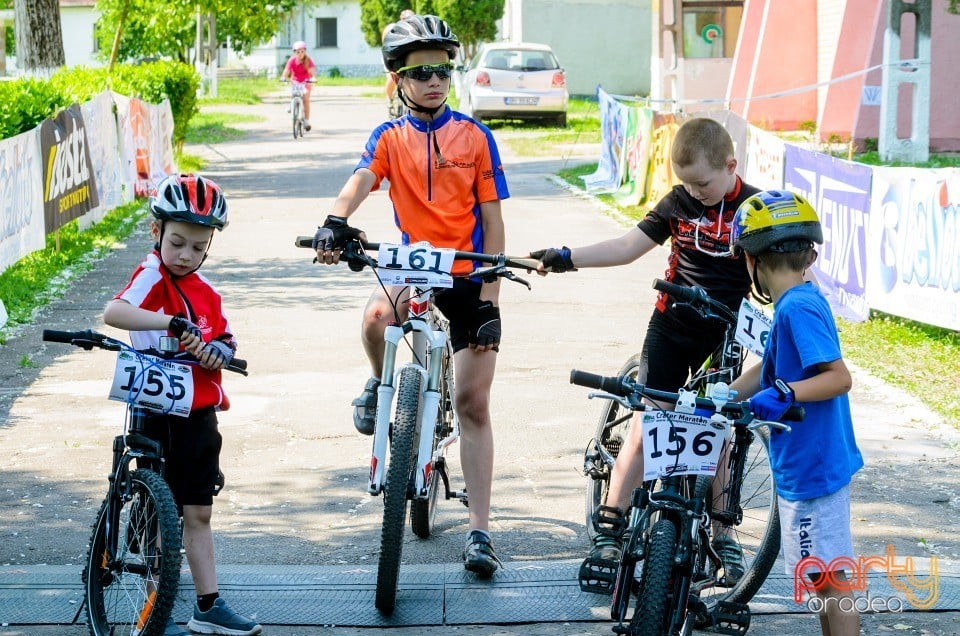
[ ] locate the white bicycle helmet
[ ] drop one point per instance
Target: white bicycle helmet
(190, 198)
(299, 44)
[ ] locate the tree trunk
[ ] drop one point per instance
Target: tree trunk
(39, 35)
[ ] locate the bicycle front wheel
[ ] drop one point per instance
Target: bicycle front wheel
(652, 614)
(133, 567)
(758, 534)
(611, 433)
(297, 122)
(403, 448)
(423, 510)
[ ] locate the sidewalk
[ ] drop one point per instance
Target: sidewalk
(295, 495)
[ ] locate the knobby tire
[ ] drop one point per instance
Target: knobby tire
(652, 611)
(142, 584)
(403, 449)
(297, 122)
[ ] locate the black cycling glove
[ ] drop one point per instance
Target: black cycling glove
(486, 329)
(334, 234)
(180, 325)
(555, 260)
(218, 350)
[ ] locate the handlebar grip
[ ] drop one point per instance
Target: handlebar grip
(239, 363)
(795, 413)
(678, 292)
(67, 337)
(615, 384)
(304, 241)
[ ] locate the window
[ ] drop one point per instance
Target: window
(326, 33)
(710, 27)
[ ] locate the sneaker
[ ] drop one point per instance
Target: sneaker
(306, 124)
(606, 548)
(731, 556)
(220, 619)
(172, 629)
(365, 408)
(478, 555)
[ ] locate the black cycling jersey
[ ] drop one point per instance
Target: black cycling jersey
(680, 217)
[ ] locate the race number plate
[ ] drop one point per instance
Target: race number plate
(420, 264)
(753, 328)
(153, 383)
(690, 446)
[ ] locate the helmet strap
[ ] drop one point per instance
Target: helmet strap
(758, 291)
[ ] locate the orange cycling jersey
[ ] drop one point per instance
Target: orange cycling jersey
(436, 196)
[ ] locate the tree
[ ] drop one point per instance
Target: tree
(169, 27)
(473, 22)
(39, 39)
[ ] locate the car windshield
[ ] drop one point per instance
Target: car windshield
(519, 60)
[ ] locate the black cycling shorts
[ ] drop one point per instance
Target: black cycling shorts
(191, 448)
(673, 350)
(458, 304)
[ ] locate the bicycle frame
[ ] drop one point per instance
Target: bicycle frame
(429, 346)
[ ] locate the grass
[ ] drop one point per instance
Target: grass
(213, 127)
(44, 275)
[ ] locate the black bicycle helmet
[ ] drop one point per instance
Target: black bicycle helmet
(416, 33)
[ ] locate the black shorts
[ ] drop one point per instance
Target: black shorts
(191, 448)
(458, 304)
(673, 350)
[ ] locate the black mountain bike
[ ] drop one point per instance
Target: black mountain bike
(668, 537)
(132, 569)
(743, 497)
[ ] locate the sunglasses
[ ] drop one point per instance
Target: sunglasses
(423, 72)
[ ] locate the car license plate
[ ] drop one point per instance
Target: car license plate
(521, 101)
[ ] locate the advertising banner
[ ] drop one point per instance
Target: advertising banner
(69, 187)
(914, 245)
(840, 192)
(764, 154)
(21, 198)
(613, 130)
(101, 124)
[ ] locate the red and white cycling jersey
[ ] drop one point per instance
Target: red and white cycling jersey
(151, 287)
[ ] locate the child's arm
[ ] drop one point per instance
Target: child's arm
(122, 315)
(748, 383)
(832, 380)
(618, 251)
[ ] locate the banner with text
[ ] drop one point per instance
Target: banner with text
(69, 188)
(21, 197)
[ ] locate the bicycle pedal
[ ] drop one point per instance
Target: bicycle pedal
(597, 576)
(729, 618)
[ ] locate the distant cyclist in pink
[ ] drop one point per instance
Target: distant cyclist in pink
(300, 68)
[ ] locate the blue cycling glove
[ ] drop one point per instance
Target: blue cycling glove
(771, 403)
(220, 353)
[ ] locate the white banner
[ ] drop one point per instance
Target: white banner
(764, 157)
(913, 240)
(21, 197)
(103, 144)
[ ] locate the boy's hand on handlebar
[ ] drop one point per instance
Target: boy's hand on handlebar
(189, 334)
(553, 259)
(771, 403)
(216, 354)
(486, 332)
(332, 237)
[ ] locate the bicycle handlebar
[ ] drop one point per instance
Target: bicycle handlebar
(355, 252)
(625, 386)
(697, 298)
(88, 339)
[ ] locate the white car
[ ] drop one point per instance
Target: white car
(509, 80)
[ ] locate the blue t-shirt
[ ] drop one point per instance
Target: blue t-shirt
(820, 455)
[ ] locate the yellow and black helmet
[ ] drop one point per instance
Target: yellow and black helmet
(775, 221)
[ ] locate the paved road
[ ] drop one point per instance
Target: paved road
(295, 467)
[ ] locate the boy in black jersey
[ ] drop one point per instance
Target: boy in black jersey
(697, 217)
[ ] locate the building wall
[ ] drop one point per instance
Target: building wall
(598, 42)
(77, 23)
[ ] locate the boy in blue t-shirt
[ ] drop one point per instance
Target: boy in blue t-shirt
(813, 464)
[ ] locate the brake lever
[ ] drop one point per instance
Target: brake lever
(509, 275)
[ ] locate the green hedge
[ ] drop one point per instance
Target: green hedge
(25, 102)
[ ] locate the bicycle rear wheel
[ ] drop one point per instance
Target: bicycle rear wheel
(133, 591)
(403, 448)
(758, 535)
(611, 433)
(423, 510)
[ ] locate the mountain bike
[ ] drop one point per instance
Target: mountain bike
(297, 91)
(395, 107)
(132, 569)
(425, 422)
(668, 536)
(744, 499)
